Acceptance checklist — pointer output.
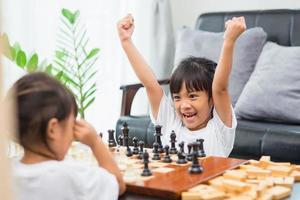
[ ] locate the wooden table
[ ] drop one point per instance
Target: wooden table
(170, 185)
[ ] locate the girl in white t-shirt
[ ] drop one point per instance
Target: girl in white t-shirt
(200, 105)
(46, 115)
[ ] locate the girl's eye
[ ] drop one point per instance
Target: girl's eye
(193, 96)
(176, 97)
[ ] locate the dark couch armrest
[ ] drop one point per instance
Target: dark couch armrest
(129, 92)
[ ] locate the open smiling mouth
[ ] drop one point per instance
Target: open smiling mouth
(189, 115)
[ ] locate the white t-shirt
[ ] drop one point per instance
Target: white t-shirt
(65, 180)
(218, 138)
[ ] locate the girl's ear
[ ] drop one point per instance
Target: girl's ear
(52, 129)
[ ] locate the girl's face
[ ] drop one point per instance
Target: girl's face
(194, 108)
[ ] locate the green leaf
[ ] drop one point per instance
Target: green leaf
(68, 14)
(13, 53)
(88, 94)
(32, 64)
(60, 54)
(17, 47)
(6, 48)
(76, 15)
(93, 53)
(49, 69)
(59, 75)
(89, 103)
(21, 58)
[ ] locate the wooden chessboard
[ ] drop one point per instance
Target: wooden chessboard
(169, 180)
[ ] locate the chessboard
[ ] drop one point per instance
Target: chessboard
(169, 180)
(262, 180)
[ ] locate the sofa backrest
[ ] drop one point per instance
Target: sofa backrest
(281, 26)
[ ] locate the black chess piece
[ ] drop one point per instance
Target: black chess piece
(156, 155)
(141, 150)
(125, 131)
(181, 146)
(201, 152)
(181, 155)
(189, 155)
(181, 158)
(167, 158)
(158, 135)
(146, 170)
(135, 146)
(173, 149)
(111, 138)
(101, 135)
(195, 168)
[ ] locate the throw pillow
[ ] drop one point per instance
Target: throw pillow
(208, 44)
(273, 90)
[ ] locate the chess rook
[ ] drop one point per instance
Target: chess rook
(135, 146)
(111, 138)
(196, 168)
(201, 152)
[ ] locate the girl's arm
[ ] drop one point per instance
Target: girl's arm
(86, 134)
(139, 65)
(221, 98)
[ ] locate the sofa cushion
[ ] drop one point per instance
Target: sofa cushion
(273, 90)
(208, 44)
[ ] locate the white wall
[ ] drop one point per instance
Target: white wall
(185, 12)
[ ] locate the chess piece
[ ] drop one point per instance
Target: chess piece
(195, 168)
(157, 135)
(156, 155)
(173, 149)
(141, 150)
(181, 146)
(101, 135)
(181, 155)
(135, 146)
(201, 152)
(125, 131)
(146, 170)
(167, 158)
(111, 138)
(189, 155)
(181, 158)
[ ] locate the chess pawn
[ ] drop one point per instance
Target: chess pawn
(195, 168)
(111, 138)
(181, 155)
(156, 155)
(201, 152)
(141, 150)
(173, 149)
(146, 170)
(181, 158)
(135, 146)
(167, 158)
(101, 135)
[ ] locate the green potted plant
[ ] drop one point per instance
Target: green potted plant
(73, 64)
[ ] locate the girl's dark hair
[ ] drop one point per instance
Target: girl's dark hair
(39, 98)
(196, 73)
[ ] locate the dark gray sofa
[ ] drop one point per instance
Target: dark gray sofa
(253, 138)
